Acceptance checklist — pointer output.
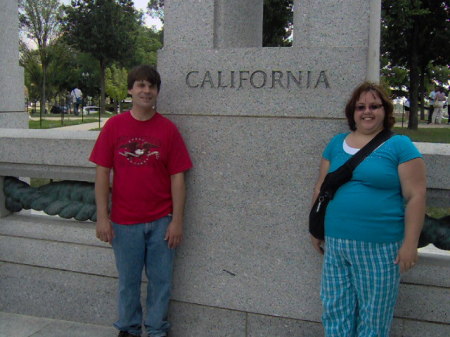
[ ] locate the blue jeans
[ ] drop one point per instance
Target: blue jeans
(135, 247)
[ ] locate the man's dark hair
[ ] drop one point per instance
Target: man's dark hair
(144, 73)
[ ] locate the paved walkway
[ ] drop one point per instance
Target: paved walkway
(78, 127)
(15, 325)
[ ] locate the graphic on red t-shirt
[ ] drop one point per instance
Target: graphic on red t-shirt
(138, 151)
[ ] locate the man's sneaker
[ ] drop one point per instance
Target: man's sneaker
(126, 334)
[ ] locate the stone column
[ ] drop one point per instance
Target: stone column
(238, 24)
(12, 114)
(3, 211)
(255, 121)
(373, 61)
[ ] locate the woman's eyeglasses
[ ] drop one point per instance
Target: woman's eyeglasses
(372, 107)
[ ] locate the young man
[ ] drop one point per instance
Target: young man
(148, 158)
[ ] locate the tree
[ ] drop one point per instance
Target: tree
(106, 29)
(29, 60)
(278, 23)
(39, 20)
(155, 9)
(147, 44)
(116, 84)
(414, 36)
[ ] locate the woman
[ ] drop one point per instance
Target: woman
(439, 106)
(373, 223)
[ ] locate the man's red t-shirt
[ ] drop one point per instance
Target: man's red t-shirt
(143, 156)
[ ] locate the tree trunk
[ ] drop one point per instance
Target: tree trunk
(102, 85)
(44, 80)
(414, 78)
(422, 94)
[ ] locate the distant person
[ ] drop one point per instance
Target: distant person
(77, 99)
(68, 101)
(448, 109)
(407, 107)
(431, 98)
(439, 106)
(147, 156)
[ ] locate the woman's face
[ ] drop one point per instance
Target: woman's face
(369, 113)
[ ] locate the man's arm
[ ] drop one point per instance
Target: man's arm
(104, 229)
(174, 234)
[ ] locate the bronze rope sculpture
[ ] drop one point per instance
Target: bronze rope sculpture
(68, 199)
(76, 199)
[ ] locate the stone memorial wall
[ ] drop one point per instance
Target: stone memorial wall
(256, 121)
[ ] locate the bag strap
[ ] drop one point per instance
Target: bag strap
(368, 148)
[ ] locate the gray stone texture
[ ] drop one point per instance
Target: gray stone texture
(47, 154)
(25, 326)
(12, 101)
(191, 24)
(331, 23)
(237, 23)
(191, 320)
(243, 233)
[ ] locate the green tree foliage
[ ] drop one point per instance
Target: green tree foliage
(278, 23)
(155, 9)
(39, 20)
(148, 42)
(29, 60)
(106, 29)
(415, 34)
(116, 84)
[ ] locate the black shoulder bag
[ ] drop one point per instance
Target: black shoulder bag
(336, 179)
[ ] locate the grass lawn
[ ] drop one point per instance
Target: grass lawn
(427, 135)
(55, 123)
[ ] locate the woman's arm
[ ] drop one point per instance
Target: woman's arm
(413, 182)
(323, 170)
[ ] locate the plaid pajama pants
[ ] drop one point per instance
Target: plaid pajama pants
(359, 288)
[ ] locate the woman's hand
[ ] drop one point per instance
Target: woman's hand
(407, 257)
(317, 244)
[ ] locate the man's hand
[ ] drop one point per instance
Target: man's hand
(174, 234)
(104, 230)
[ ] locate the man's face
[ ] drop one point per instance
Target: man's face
(144, 94)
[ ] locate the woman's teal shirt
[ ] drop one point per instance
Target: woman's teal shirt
(370, 207)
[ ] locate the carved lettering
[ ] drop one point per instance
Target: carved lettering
(220, 85)
(207, 79)
(263, 79)
(322, 79)
(276, 78)
(242, 78)
(258, 79)
(298, 81)
(188, 79)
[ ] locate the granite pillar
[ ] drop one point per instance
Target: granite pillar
(256, 120)
(12, 114)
